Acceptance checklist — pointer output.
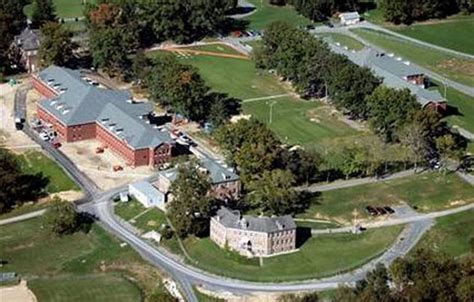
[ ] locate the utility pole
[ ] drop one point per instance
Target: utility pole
(445, 89)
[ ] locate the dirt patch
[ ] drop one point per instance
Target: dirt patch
(69, 195)
(21, 247)
(17, 293)
(147, 276)
(460, 66)
(457, 203)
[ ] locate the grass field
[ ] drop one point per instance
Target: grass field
(460, 70)
(344, 40)
(65, 8)
(465, 106)
(295, 121)
(97, 287)
(427, 192)
(266, 14)
(299, 122)
(34, 162)
(216, 48)
(454, 33)
(72, 267)
(451, 234)
(319, 256)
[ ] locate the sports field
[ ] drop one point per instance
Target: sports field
(319, 256)
(35, 162)
(450, 234)
(79, 267)
(425, 192)
(454, 68)
(294, 120)
(454, 33)
(65, 8)
(266, 14)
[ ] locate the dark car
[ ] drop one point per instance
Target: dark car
(381, 211)
(371, 211)
(389, 210)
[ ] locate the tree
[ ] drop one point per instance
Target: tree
(17, 186)
(302, 164)
(273, 192)
(61, 217)
(43, 11)
(389, 110)
(448, 149)
(190, 210)
(414, 137)
(222, 108)
(12, 21)
(375, 286)
(56, 45)
(311, 297)
(352, 161)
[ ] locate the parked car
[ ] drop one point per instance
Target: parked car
(44, 136)
(56, 145)
(389, 210)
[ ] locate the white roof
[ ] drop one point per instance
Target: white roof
(349, 15)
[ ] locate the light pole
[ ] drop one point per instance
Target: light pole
(271, 110)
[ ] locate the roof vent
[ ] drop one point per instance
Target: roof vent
(407, 63)
(243, 223)
(53, 102)
(279, 225)
(130, 101)
(398, 58)
(390, 55)
(65, 111)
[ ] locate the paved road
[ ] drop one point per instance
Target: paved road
(23, 217)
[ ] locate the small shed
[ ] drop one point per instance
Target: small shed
(349, 18)
(147, 195)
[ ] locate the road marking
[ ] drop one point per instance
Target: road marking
(267, 97)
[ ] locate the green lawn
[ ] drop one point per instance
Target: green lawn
(96, 287)
(465, 106)
(65, 8)
(67, 268)
(460, 70)
(295, 121)
(344, 40)
(266, 14)
(219, 48)
(319, 256)
(450, 234)
(34, 162)
(299, 122)
(428, 192)
(454, 33)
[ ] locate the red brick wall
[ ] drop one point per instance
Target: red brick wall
(81, 132)
(116, 145)
(60, 129)
(160, 154)
(43, 88)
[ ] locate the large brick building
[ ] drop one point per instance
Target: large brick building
(78, 110)
(253, 236)
(225, 183)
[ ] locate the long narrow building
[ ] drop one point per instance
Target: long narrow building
(77, 109)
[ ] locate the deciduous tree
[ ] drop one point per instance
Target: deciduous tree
(56, 45)
(43, 11)
(61, 217)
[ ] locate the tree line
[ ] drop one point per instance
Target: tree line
(406, 12)
(394, 115)
(119, 27)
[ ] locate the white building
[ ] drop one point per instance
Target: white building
(349, 18)
(147, 195)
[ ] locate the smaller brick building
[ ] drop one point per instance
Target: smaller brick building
(78, 110)
(26, 46)
(225, 182)
(253, 236)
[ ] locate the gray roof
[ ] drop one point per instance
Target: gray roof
(392, 70)
(349, 15)
(80, 102)
(146, 188)
(218, 172)
(28, 39)
(233, 219)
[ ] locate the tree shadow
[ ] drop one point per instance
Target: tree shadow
(84, 222)
(306, 199)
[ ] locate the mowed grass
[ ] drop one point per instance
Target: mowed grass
(103, 287)
(35, 162)
(299, 122)
(67, 268)
(266, 13)
(454, 33)
(344, 40)
(457, 69)
(65, 8)
(426, 192)
(319, 256)
(451, 234)
(464, 104)
(217, 48)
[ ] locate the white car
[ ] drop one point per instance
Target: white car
(44, 136)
